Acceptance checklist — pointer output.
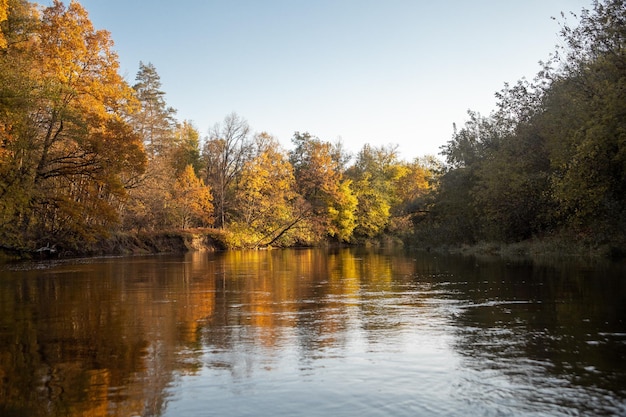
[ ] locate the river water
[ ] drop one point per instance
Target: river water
(312, 332)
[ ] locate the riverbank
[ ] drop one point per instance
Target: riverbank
(172, 241)
(562, 247)
(206, 239)
(128, 243)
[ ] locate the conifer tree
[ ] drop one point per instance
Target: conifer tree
(155, 120)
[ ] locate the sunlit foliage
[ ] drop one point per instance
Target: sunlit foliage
(191, 201)
(265, 193)
(66, 142)
(83, 154)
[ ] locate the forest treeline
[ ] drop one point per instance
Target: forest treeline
(84, 154)
(550, 161)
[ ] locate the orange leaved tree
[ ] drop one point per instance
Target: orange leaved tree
(75, 149)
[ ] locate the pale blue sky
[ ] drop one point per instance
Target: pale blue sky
(379, 72)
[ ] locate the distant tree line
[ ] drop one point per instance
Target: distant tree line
(551, 159)
(84, 155)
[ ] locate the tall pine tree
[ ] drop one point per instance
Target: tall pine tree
(155, 121)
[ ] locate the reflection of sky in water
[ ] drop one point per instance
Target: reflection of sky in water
(408, 347)
(356, 373)
(362, 347)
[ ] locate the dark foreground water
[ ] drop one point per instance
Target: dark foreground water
(311, 333)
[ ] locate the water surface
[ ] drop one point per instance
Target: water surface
(346, 332)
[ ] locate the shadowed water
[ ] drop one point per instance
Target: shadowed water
(346, 332)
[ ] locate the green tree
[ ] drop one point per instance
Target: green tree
(585, 124)
(551, 157)
(455, 217)
(155, 120)
(512, 193)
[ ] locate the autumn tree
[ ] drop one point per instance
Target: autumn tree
(265, 196)
(411, 192)
(171, 147)
(4, 14)
(75, 143)
(224, 155)
(191, 201)
(320, 182)
(18, 88)
(375, 173)
(185, 148)
(341, 212)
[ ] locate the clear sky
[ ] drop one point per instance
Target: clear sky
(366, 71)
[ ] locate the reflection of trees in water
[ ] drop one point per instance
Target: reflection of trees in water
(530, 332)
(97, 338)
(112, 337)
(317, 300)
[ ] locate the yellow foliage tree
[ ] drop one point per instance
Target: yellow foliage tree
(410, 191)
(4, 5)
(83, 142)
(191, 200)
(69, 146)
(320, 182)
(342, 212)
(265, 193)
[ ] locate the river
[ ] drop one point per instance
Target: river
(312, 332)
